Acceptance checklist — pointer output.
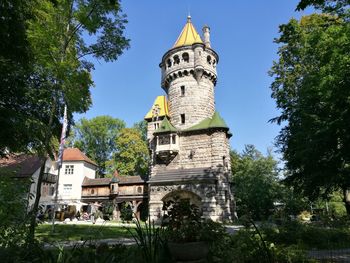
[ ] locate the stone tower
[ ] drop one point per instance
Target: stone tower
(188, 140)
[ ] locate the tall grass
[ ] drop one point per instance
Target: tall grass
(148, 238)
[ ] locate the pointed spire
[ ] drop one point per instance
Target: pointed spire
(188, 36)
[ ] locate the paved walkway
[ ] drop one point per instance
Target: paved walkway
(337, 255)
(108, 241)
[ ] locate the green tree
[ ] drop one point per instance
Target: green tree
(141, 126)
(338, 7)
(15, 66)
(61, 69)
(311, 89)
(132, 156)
(256, 183)
(97, 138)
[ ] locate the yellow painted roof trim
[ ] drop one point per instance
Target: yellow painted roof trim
(161, 105)
(188, 36)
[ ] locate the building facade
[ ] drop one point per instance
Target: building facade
(188, 140)
(75, 167)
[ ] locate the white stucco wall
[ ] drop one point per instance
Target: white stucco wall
(81, 169)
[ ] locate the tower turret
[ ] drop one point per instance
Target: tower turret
(189, 143)
(188, 77)
(206, 35)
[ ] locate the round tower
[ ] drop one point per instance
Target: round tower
(189, 76)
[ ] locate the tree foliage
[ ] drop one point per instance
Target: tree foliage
(338, 7)
(141, 126)
(61, 36)
(97, 138)
(44, 64)
(15, 61)
(311, 88)
(131, 156)
(256, 183)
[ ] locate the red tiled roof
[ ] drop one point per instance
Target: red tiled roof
(22, 165)
(74, 154)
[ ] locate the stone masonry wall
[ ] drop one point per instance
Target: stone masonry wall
(197, 103)
(207, 150)
(197, 75)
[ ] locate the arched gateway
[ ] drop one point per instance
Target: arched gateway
(188, 140)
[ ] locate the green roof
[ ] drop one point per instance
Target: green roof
(165, 127)
(214, 122)
(115, 180)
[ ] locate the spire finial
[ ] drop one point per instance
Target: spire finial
(189, 18)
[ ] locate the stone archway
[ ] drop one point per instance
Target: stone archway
(183, 194)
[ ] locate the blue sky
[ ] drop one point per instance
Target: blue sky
(242, 33)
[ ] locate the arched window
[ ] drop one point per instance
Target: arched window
(209, 60)
(214, 63)
(176, 60)
(168, 62)
(139, 189)
(92, 191)
(185, 57)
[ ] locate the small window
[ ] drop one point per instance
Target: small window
(67, 189)
(176, 60)
(164, 139)
(139, 189)
(92, 191)
(51, 191)
(183, 119)
(168, 62)
(209, 60)
(182, 90)
(173, 137)
(185, 57)
(69, 169)
(112, 187)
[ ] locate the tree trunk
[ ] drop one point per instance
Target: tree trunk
(35, 208)
(46, 151)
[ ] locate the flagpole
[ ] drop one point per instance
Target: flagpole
(56, 199)
(59, 163)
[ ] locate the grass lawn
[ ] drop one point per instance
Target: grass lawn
(79, 232)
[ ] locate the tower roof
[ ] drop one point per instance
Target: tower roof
(159, 108)
(188, 36)
(74, 154)
(214, 122)
(165, 127)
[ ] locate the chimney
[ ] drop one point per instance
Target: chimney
(206, 34)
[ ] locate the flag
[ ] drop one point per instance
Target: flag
(63, 137)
